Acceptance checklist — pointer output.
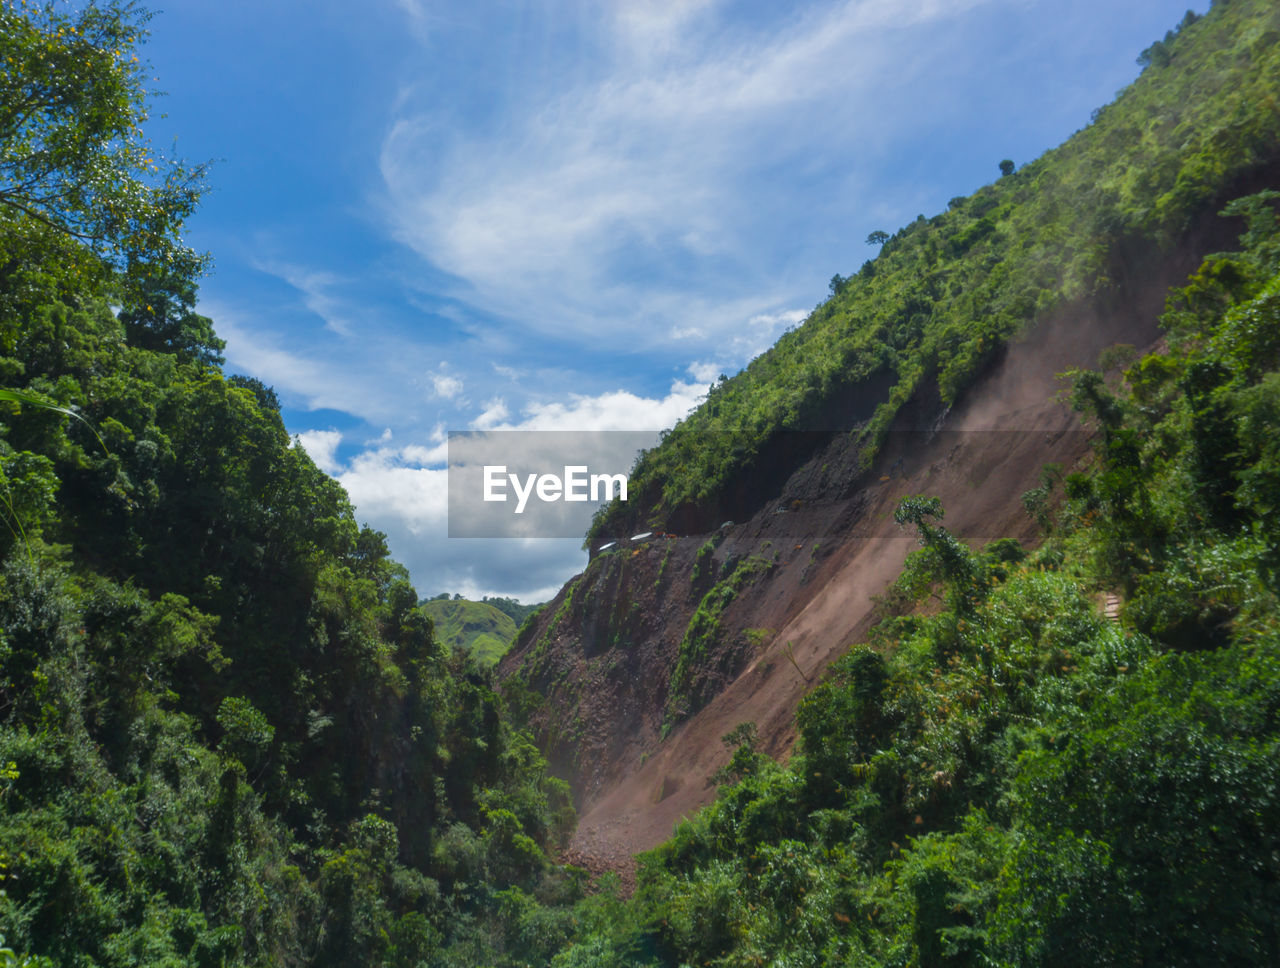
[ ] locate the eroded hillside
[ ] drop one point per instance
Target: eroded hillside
(667, 642)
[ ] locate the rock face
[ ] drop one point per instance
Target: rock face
(666, 643)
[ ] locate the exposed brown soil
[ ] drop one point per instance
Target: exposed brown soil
(603, 658)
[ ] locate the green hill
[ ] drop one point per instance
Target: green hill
(475, 627)
(1197, 128)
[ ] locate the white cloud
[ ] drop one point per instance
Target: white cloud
(322, 447)
(616, 410)
(495, 411)
(315, 288)
(258, 353)
(652, 27)
(404, 493)
(382, 380)
(705, 372)
(446, 386)
(763, 331)
(787, 317)
(435, 455)
(383, 486)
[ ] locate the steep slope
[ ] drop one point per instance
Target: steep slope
(904, 382)
(1012, 771)
(932, 311)
(635, 766)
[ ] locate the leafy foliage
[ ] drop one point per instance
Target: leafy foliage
(478, 628)
(1013, 778)
(74, 164)
(231, 736)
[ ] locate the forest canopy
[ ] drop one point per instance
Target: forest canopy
(228, 732)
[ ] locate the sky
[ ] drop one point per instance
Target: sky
(428, 217)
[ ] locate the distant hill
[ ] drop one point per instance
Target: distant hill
(478, 627)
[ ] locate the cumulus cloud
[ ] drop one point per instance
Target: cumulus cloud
(705, 372)
(446, 386)
(322, 447)
(616, 410)
(384, 485)
(494, 413)
(403, 489)
(403, 492)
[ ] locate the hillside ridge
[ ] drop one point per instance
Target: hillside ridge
(645, 662)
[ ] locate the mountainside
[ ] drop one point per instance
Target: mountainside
(770, 503)
(477, 628)
(932, 312)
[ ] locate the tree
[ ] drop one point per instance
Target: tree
(74, 164)
(946, 556)
(877, 238)
(160, 315)
(1006, 167)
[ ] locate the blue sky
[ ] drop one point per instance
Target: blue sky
(567, 215)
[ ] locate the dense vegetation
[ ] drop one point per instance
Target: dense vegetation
(1003, 775)
(229, 734)
(480, 629)
(946, 293)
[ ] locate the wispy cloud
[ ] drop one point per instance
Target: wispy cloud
(252, 351)
(378, 377)
(316, 289)
(625, 200)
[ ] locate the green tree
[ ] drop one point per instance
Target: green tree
(161, 316)
(75, 166)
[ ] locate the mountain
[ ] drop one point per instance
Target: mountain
(477, 628)
(935, 310)
(931, 369)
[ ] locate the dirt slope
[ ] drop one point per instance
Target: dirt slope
(604, 651)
